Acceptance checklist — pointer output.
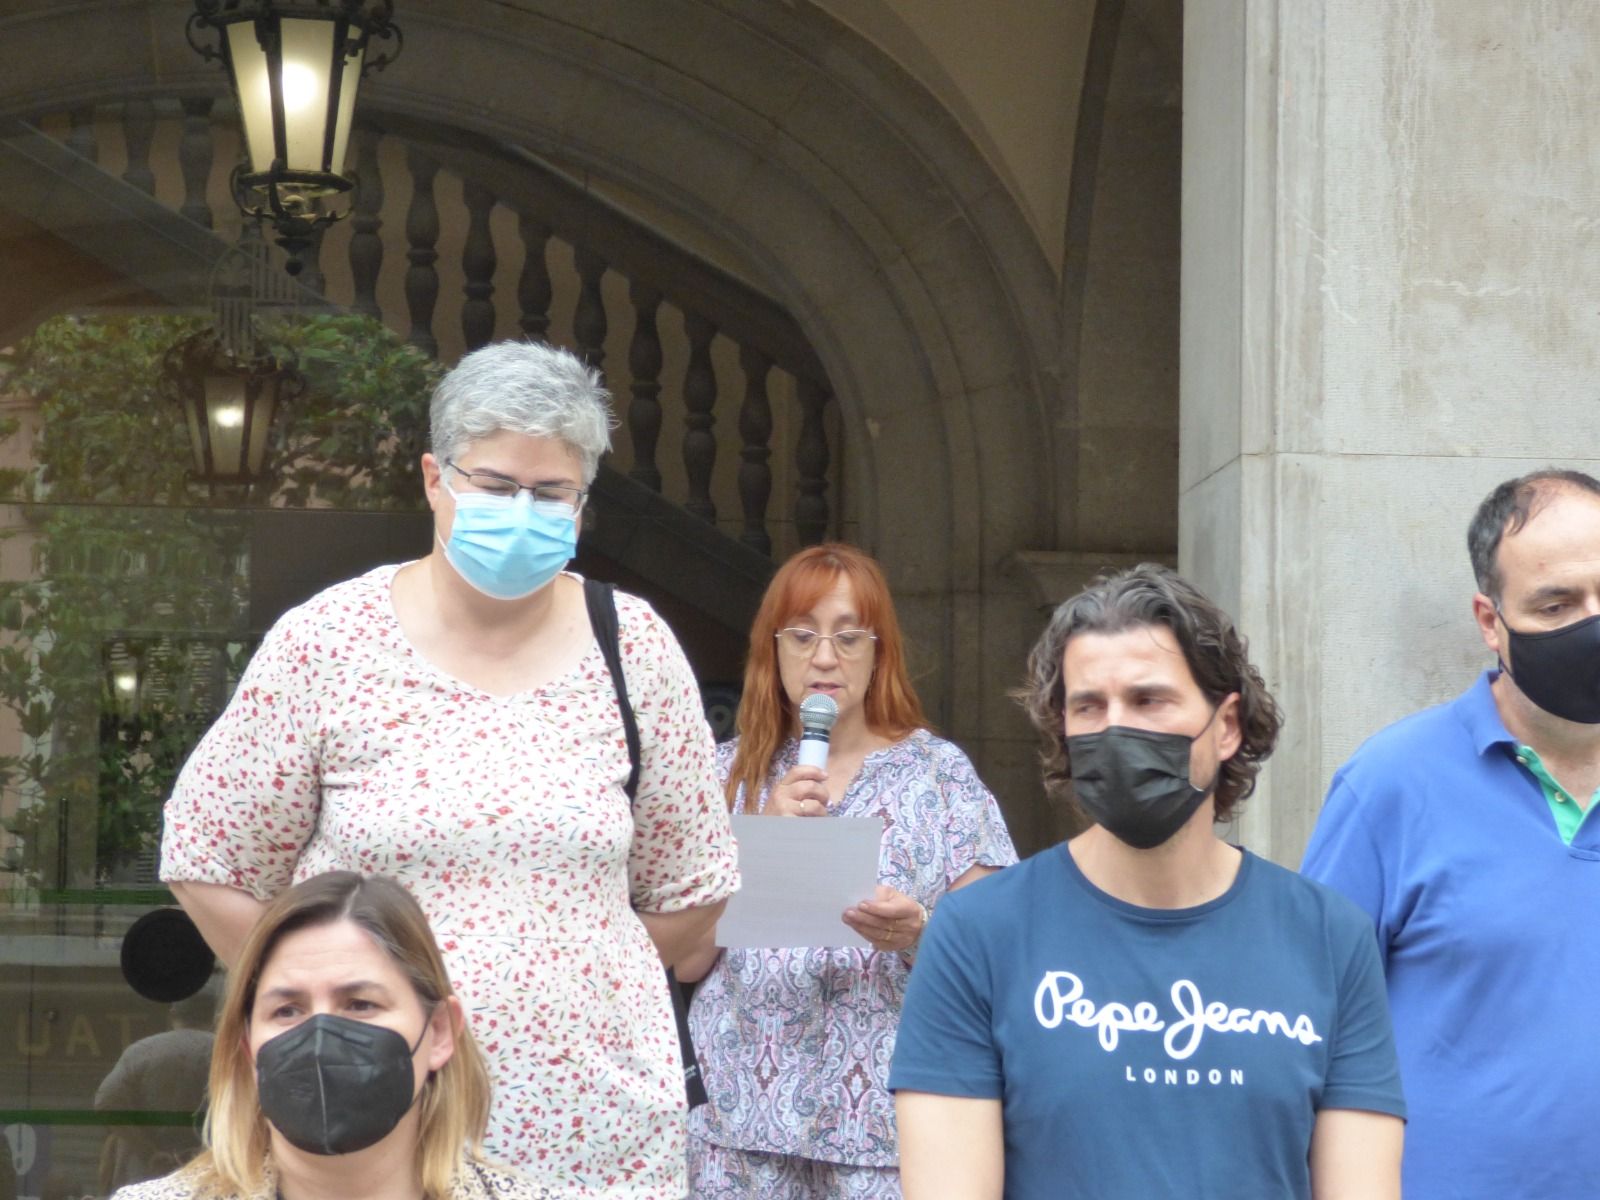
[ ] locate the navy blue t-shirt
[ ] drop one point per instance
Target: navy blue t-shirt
(1150, 1052)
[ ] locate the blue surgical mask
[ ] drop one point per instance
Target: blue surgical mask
(509, 547)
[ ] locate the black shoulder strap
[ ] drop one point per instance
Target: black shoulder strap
(601, 600)
(602, 603)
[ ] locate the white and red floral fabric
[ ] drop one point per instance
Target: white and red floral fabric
(506, 817)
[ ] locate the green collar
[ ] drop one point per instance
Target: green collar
(1569, 815)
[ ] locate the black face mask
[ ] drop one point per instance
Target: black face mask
(332, 1085)
(1559, 670)
(1135, 782)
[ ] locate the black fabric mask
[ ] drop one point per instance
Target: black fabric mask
(332, 1085)
(1135, 782)
(1559, 669)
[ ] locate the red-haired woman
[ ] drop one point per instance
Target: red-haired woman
(795, 1044)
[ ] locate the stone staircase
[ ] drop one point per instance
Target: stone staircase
(455, 240)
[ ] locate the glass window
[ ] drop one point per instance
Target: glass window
(132, 595)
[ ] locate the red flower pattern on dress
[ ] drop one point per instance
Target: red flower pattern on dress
(505, 815)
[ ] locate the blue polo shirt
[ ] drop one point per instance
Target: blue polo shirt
(1487, 923)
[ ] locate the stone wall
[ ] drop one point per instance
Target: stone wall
(1390, 257)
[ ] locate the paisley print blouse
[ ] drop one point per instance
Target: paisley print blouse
(795, 1044)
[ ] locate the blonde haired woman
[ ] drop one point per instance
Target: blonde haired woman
(343, 1069)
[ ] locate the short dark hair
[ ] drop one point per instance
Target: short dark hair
(1149, 595)
(1506, 510)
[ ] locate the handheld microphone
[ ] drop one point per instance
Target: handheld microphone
(817, 715)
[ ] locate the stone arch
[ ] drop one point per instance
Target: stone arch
(855, 199)
(1119, 287)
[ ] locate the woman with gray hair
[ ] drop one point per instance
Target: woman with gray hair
(451, 722)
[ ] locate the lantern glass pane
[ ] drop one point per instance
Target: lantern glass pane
(308, 57)
(347, 108)
(265, 395)
(226, 412)
(197, 445)
(254, 93)
(122, 678)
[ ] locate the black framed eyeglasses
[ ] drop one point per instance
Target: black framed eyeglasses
(568, 498)
(803, 643)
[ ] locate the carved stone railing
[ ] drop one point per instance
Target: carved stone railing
(451, 225)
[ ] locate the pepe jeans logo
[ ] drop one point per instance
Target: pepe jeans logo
(1060, 997)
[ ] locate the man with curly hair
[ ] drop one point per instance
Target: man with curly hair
(1147, 1010)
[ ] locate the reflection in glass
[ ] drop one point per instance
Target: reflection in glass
(165, 1071)
(130, 603)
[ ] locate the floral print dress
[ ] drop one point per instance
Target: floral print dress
(506, 817)
(474, 1181)
(795, 1044)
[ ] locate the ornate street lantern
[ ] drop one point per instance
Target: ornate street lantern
(295, 66)
(228, 401)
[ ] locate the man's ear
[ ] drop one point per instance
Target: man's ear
(1489, 624)
(1228, 721)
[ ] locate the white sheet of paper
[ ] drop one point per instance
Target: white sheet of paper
(798, 874)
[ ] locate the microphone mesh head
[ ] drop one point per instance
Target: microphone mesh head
(817, 714)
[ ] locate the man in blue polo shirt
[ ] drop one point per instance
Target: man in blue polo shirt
(1147, 1012)
(1468, 834)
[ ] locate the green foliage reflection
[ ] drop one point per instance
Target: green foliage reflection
(124, 624)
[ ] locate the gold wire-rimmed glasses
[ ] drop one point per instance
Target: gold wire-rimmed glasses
(803, 643)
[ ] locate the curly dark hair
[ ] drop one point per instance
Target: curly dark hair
(1146, 595)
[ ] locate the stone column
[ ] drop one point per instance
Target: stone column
(1390, 302)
